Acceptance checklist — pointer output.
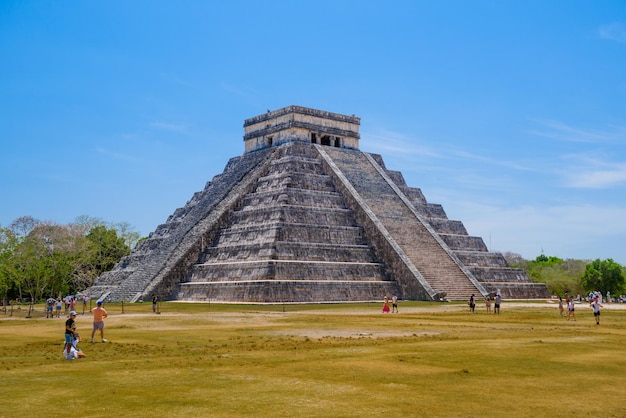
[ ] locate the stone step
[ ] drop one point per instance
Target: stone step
(288, 291)
(464, 242)
(286, 270)
(280, 250)
(302, 165)
(296, 180)
(447, 226)
(481, 259)
(288, 214)
(499, 274)
(293, 196)
(280, 231)
(429, 210)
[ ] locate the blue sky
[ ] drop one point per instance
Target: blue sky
(511, 114)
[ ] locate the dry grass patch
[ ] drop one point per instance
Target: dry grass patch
(319, 360)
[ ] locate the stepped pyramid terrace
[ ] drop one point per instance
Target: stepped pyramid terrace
(305, 216)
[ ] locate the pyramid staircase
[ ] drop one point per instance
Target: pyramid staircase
(490, 269)
(430, 256)
(292, 239)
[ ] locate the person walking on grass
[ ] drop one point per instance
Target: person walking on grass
(570, 309)
(596, 305)
(99, 313)
(472, 303)
(386, 305)
(496, 304)
(50, 307)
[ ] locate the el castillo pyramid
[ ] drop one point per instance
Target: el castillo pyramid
(305, 216)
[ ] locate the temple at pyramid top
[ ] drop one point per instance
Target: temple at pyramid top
(301, 124)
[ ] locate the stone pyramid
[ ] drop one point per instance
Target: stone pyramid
(305, 216)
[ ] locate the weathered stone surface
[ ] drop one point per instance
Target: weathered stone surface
(301, 219)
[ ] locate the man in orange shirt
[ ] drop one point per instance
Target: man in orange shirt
(99, 313)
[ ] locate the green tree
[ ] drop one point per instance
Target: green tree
(604, 276)
(560, 276)
(45, 259)
(107, 249)
(545, 260)
(8, 241)
(32, 267)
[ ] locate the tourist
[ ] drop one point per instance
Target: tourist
(561, 306)
(386, 305)
(99, 314)
(70, 331)
(85, 300)
(472, 303)
(66, 300)
(394, 304)
(596, 305)
(570, 309)
(50, 307)
(155, 300)
(59, 306)
(74, 352)
(488, 304)
(496, 305)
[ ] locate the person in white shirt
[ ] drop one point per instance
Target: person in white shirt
(570, 309)
(596, 305)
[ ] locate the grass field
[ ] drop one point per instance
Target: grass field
(319, 361)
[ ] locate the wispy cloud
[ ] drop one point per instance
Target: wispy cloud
(171, 78)
(249, 95)
(117, 155)
(593, 173)
(492, 161)
(396, 143)
(563, 132)
(568, 231)
(174, 127)
(130, 136)
(613, 32)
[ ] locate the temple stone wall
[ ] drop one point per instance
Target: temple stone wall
(296, 123)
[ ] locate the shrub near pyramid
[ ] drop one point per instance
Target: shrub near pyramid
(305, 216)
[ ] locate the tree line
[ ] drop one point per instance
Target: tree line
(571, 276)
(41, 259)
